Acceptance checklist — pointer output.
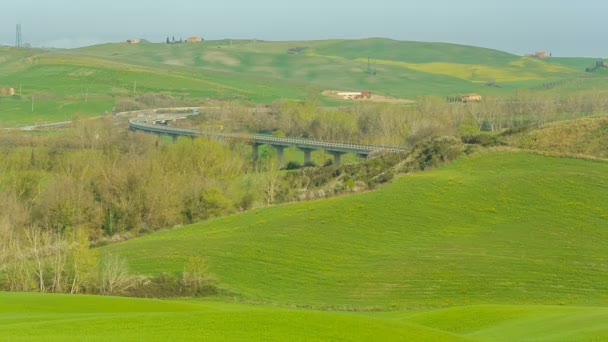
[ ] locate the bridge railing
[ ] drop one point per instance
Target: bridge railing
(136, 124)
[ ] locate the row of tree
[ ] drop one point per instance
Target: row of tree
(40, 260)
(404, 125)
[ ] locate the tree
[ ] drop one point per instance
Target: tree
(115, 278)
(39, 243)
(82, 262)
(195, 278)
(271, 182)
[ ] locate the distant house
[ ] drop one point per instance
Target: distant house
(470, 98)
(7, 91)
(133, 41)
(357, 95)
(539, 55)
(194, 39)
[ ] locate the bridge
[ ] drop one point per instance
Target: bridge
(159, 126)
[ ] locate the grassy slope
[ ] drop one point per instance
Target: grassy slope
(70, 318)
(509, 228)
(405, 69)
(64, 318)
(258, 71)
(270, 60)
(58, 81)
(519, 323)
(587, 136)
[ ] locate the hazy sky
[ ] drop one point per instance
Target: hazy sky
(564, 27)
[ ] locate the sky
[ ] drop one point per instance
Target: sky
(562, 27)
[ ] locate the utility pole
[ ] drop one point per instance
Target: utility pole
(18, 37)
(32, 103)
(134, 87)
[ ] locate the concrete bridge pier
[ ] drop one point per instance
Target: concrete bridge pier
(174, 137)
(337, 157)
(307, 155)
(280, 154)
(255, 148)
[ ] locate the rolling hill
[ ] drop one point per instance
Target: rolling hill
(501, 245)
(89, 81)
(503, 228)
(586, 136)
(26, 317)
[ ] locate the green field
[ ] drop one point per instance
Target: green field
(25, 317)
(505, 228)
(90, 81)
(586, 136)
(497, 246)
(500, 245)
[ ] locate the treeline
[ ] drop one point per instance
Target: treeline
(101, 178)
(33, 259)
(97, 182)
(113, 184)
(403, 125)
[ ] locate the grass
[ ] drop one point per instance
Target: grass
(508, 228)
(518, 71)
(69, 318)
(586, 136)
(27, 317)
(89, 81)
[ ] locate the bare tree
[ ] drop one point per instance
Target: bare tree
(115, 278)
(271, 181)
(38, 250)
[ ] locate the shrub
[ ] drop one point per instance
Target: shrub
(483, 140)
(292, 165)
(437, 152)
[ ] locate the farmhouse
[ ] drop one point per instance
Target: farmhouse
(7, 91)
(358, 95)
(194, 39)
(539, 55)
(133, 41)
(470, 98)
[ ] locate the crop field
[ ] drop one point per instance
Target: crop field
(506, 228)
(25, 317)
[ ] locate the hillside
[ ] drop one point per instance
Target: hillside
(339, 63)
(506, 228)
(25, 317)
(587, 136)
(73, 318)
(92, 80)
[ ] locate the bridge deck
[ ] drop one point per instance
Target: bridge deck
(139, 124)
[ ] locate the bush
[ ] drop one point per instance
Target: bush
(517, 130)
(192, 282)
(292, 165)
(482, 139)
(437, 152)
